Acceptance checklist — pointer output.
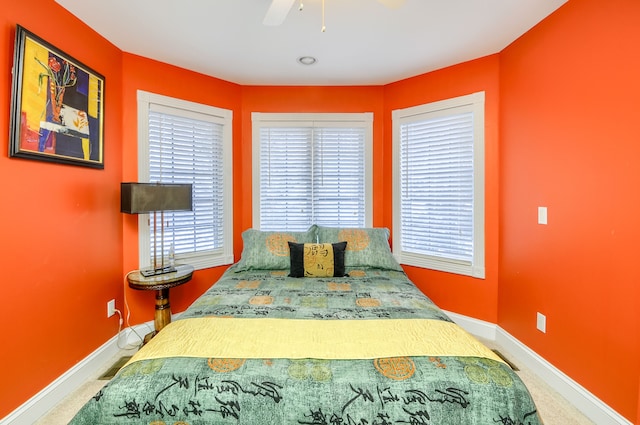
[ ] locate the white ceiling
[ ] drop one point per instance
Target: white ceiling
(365, 42)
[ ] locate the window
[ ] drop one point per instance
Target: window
(311, 169)
(438, 208)
(185, 142)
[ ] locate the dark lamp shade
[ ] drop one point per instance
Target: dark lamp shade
(138, 198)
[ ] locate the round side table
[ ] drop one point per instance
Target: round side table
(161, 284)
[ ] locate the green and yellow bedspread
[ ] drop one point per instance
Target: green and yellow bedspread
(263, 348)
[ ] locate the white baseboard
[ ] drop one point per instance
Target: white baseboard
(38, 405)
(476, 327)
(591, 406)
(65, 384)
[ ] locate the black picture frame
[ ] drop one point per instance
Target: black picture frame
(57, 105)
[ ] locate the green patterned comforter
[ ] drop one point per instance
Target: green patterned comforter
(403, 390)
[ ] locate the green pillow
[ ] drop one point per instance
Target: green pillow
(367, 247)
(317, 259)
(269, 250)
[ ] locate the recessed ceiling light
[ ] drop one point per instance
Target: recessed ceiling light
(307, 60)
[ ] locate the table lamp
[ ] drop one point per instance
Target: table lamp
(141, 198)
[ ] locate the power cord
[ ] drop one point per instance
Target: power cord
(119, 320)
(127, 323)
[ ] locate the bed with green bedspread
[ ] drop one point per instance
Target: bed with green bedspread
(335, 386)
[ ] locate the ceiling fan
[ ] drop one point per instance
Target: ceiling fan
(279, 9)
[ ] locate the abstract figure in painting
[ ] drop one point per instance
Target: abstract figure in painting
(60, 77)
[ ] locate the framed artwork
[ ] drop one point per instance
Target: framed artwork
(57, 105)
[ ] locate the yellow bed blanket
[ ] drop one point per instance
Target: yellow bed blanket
(268, 338)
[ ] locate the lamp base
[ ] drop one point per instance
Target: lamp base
(158, 271)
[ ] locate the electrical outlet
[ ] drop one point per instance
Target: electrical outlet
(111, 308)
(541, 322)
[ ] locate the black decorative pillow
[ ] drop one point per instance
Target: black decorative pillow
(317, 259)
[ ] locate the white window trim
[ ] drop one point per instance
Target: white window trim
(260, 119)
(202, 259)
(474, 102)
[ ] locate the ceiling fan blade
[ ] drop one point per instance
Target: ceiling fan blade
(277, 12)
(392, 4)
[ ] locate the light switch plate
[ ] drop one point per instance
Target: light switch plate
(541, 322)
(542, 215)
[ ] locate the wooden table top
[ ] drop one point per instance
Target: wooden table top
(183, 274)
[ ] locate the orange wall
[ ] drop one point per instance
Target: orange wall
(465, 295)
(61, 254)
(569, 141)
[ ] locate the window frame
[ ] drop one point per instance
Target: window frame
(475, 103)
(197, 259)
(265, 119)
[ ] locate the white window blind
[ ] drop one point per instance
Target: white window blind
(286, 178)
(339, 177)
(437, 186)
(183, 142)
(311, 172)
(189, 150)
(440, 196)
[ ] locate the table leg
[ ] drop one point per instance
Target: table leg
(163, 310)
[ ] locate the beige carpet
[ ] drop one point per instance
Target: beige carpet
(553, 409)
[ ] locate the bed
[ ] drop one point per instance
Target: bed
(351, 341)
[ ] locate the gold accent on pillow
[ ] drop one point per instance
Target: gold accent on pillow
(318, 260)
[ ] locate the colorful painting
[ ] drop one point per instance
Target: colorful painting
(57, 106)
